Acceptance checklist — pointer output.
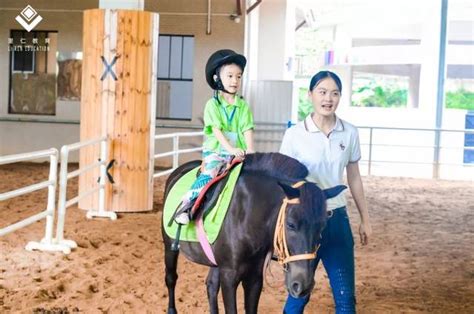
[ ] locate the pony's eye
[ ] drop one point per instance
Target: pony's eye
(291, 226)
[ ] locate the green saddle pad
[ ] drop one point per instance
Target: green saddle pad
(214, 219)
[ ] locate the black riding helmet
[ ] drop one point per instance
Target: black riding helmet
(218, 59)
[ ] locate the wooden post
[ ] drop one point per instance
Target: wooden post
(120, 53)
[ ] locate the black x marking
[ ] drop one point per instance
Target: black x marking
(108, 68)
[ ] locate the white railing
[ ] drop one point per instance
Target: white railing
(388, 150)
(176, 150)
(47, 243)
(64, 176)
(379, 157)
(432, 151)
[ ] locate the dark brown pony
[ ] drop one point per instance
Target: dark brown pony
(246, 237)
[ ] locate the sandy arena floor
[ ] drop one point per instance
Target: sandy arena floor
(420, 259)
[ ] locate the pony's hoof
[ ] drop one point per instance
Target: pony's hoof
(172, 311)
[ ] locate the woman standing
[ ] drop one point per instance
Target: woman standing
(327, 145)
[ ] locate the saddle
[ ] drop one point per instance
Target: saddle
(213, 203)
(204, 203)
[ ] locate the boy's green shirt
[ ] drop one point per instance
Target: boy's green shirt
(214, 116)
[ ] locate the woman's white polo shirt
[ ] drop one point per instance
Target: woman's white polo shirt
(324, 156)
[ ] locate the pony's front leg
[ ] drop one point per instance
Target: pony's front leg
(171, 264)
(229, 282)
(252, 284)
(213, 284)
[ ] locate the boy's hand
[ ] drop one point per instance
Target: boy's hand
(238, 152)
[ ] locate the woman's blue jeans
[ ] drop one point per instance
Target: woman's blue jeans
(337, 254)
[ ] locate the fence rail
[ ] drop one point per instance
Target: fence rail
(268, 138)
(58, 243)
(47, 243)
(176, 150)
(435, 162)
(64, 176)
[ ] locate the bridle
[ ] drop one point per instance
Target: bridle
(279, 241)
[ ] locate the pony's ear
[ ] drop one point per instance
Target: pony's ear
(334, 191)
(289, 191)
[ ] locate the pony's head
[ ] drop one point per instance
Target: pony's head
(305, 219)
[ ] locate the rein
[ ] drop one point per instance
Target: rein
(279, 240)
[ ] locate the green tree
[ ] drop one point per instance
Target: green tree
(460, 99)
(380, 96)
(305, 107)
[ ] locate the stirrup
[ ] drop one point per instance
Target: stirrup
(183, 217)
(181, 208)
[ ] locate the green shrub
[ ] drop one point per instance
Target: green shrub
(305, 106)
(388, 98)
(460, 99)
(379, 96)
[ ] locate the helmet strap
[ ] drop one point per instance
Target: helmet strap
(216, 96)
(220, 86)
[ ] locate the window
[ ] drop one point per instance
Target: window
(22, 61)
(374, 89)
(175, 77)
(32, 72)
(69, 75)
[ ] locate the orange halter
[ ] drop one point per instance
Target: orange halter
(279, 240)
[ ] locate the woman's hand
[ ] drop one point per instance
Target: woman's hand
(365, 232)
(357, 190)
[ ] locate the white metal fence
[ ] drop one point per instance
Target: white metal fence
(386, 151)
(64, 176)
(176, 151)
(401, 152)
(410, 152)
(384, 147)
(58, 243)
(47, 243)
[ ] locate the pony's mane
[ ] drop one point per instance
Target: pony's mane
(276, 165)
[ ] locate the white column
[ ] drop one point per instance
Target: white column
(430, 56)
(251, 48)
(290, 33)
(345, 74)
(276, 40)
(342, 47)
(122, 4)
(413, 88)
